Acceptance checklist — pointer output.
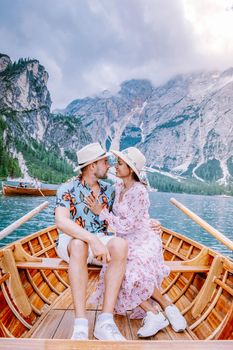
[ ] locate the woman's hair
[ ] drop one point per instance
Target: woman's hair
(135, 177)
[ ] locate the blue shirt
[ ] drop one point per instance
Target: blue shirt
(71, 195)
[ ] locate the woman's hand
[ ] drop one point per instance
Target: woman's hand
(93, 204)
(156, 226)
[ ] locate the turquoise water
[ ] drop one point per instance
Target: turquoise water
(216, 210)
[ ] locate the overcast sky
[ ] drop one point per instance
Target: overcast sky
(88, 46)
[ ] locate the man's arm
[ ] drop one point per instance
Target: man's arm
(68, 226)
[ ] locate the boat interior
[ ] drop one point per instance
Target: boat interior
(37, 308)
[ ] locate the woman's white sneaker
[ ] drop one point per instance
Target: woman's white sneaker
(152, 323)
(107, 330)
(177, 320)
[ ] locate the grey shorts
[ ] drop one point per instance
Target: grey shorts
(64, 240)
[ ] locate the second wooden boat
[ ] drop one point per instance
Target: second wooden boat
(10, 190)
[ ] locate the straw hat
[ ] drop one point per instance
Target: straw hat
(90, 154)
(134, 158)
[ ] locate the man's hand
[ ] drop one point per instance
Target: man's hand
(99, 250)
(93, 204)
(156, 226)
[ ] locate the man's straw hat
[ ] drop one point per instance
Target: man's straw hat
(90, 154)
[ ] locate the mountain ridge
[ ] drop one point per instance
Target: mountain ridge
(184, 127)
(180, 126)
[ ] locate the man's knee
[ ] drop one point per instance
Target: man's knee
(118, 248)
(78, 249)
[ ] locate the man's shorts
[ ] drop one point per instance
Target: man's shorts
(64, 240)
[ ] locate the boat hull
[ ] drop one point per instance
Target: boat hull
(24, 191)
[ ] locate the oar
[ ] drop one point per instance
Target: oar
(41, 192)
(6, 231)
(218, 235)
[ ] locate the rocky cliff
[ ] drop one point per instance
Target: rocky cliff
(28, 128)
(184, 126)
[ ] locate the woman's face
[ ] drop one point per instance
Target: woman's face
(122, 169)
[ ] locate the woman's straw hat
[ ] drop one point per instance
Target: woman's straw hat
(134, 158)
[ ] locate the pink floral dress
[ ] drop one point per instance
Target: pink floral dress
(145, 268)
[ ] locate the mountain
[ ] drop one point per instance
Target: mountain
(34, 142)
(183, 127)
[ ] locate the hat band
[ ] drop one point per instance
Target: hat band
(101, 155)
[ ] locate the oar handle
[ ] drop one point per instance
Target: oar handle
(218, 235)
(6, 231)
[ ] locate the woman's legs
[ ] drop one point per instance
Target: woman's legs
(160, 298)
(172, 313)
(147, 306)
(157, 296)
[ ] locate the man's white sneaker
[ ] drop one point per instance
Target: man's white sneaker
(80, 333)
(177, 320)
(151, 324)
(107, 330)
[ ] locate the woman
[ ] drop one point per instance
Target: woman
(145, 268)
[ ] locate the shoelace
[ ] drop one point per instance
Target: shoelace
(147, 321)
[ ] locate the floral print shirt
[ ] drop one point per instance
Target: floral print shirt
(71, 195)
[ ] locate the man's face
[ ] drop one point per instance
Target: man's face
(102, 167)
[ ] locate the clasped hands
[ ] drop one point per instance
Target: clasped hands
(99, 250)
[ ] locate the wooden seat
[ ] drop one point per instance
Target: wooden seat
(59, 264)
(181, 266)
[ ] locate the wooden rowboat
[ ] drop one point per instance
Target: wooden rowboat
(10, 190)
(37, 311)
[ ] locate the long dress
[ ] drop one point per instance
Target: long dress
(145, 269)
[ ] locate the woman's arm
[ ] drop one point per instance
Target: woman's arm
(137, 210)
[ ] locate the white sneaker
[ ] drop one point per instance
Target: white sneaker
(80, 333)
(177, 320)
(151, 324)
(107, 330)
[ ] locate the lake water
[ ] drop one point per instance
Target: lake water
(216, 210)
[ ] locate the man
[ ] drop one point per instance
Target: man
(84, 238)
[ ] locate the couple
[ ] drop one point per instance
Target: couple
(133, 266)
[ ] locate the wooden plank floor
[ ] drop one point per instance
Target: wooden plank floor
(58, 323)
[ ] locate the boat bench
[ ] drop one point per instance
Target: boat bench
(59, 264)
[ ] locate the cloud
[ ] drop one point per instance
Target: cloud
(91, 45)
